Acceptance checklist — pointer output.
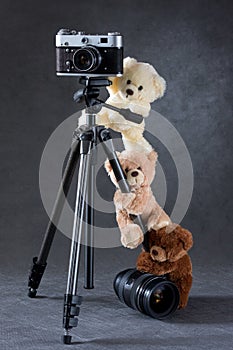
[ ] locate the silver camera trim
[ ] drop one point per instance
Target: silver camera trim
(77, 39)
(90, 75)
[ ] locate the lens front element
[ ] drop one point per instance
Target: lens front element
(86, 59)
(161, 298)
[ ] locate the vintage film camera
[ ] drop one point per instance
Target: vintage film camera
(80, 54)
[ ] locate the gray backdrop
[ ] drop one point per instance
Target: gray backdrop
(190, 44)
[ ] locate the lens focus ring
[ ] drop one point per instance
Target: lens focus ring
(135, 291)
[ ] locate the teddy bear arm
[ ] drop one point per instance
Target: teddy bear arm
(102, 118)
(144, 262)
(163, 268)
(138, 204)
(158, 218)
(142, 108)
(147, 264)
(123, 200)
(133, 133)
(123, 218)
(119, 126)
(106, 117)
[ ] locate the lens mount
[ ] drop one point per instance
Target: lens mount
(120, 282)
(86, 59)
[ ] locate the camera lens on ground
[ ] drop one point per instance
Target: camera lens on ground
(86, 59)
(152, 295)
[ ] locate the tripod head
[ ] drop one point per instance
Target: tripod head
(90, 93)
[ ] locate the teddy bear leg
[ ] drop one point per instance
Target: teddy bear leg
(140, 145)
(131, 236)
(131, 233)
(184, 285)
(158, 220)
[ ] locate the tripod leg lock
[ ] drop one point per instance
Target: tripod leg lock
(35, 277)
(71, 310)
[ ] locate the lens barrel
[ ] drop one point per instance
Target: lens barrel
(152, 295)
(86, 59)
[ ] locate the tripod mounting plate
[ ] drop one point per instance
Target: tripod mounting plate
(90, 93)
(95, 81)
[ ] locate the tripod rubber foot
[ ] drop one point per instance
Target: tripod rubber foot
(66, 339)
(32, 293)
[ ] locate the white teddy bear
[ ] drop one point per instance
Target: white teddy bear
(139, 86)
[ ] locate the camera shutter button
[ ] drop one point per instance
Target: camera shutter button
(84, 40)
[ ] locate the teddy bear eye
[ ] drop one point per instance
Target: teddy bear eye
(126, 170)
(128, 81)
(140, 87)
(139, 168)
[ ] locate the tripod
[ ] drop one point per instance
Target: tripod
(83, 149)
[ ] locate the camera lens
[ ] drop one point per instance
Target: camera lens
(152, 295)
(86, 59)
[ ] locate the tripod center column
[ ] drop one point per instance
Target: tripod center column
(90, 118)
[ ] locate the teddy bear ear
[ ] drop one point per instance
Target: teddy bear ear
(113, 88)
(128, 62)
(159, 86)
(152, 156)
(185, 236)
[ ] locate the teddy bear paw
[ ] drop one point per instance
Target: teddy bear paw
(131, 236)
(122, 200)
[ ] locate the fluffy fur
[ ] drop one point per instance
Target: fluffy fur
(140, 171)
(168, 255)
(139, 86)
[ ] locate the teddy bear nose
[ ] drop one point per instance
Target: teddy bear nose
(134, 173)
(154, 252)
(129, 92)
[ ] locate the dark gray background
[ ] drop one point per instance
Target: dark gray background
(189, 43)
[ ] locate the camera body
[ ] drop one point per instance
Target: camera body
(80, 54)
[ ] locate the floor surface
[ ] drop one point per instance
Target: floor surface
(105, 323)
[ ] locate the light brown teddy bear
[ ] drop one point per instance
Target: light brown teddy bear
(139, 86)
(168, 256)
(140, 171)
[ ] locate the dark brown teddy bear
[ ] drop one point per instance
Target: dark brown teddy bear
(168, 255)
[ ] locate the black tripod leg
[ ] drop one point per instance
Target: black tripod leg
(40, 262)
(71, 299)
(106, 139)
(89, 233)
